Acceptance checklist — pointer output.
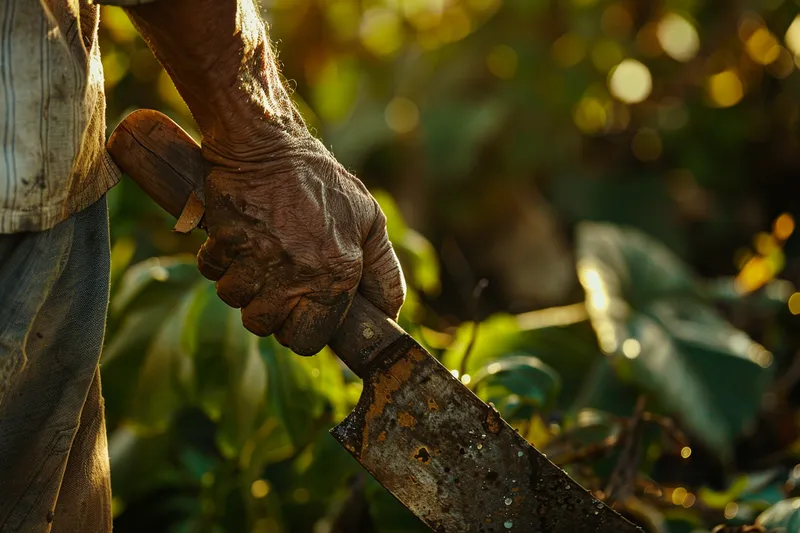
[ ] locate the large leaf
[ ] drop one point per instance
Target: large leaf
(664, 338)
(783, 517)
(244, 408)
(128, 450)
(167, 372)
(146, 295)
(294, 396)
(416, 253)
(153, 280)
(518, 385)
(568, 350)
(208, 341)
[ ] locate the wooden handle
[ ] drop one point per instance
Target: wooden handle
(169, 166)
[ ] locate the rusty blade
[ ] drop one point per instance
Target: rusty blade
(454, 462)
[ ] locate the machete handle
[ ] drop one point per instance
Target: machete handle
(169, 166)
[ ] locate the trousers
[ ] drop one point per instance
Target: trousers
(54, 469)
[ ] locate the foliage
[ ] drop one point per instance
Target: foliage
(604, 162)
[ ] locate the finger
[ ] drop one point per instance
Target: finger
(267, 312)
(382, 281)
(313, 322)
(219, 250)
(241, 282)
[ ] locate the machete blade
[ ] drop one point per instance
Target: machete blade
(452, 460)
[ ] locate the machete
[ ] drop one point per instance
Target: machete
(440, 450)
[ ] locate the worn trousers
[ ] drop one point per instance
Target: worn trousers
(54, 471)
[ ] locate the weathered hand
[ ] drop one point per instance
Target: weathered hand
(291, 236)
(291, 232)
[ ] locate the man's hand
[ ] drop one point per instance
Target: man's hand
(292, 235)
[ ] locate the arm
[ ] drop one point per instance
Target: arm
(292, 235)
(219, 56)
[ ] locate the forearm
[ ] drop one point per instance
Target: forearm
(218, 54)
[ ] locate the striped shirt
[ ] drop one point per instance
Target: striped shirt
(52, 113)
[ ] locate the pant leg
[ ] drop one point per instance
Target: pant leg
(53, 301)
(84, 501)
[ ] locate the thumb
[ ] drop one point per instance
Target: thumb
(382, 281)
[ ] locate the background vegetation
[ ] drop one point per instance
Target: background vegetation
(599, 193)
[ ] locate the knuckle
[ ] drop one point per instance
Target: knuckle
(255, 329)
(208, 267)
(228, 292)
(306, 349)
(255, 324)
(380, 217)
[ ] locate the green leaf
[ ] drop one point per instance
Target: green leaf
(121, 254)
(294, 396)
(518, 385)
(664, 338)
(592, 425)
(569, 350)
(603, 390)
(153, 280)
(337, 88)
(128, 451)
(416, 253)
(454, 150)
(167, 373)
(144, 298)
(497, 335)
(395, 221)
(212, 369)
(718, 500)
(421, 263)
(783, 517)
(772, 297)
(244, 408)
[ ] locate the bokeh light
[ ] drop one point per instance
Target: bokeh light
(590, 115)
(731, 510)
(794, 303)
(502, 62)
(762, 46)
(631, 348)
(381, 31)
(725, 88)
(792, 37)
(679, 495)
(783, 66)
(678, 37)
(783, 227)
(568, 50)
(260, 488)
(630, 81)
(402, 115)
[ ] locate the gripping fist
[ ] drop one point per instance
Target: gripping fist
(291, 237)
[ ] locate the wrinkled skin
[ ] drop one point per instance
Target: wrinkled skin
(292, 234)
(290, 241)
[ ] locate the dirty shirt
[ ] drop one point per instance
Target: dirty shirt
(52, 113)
